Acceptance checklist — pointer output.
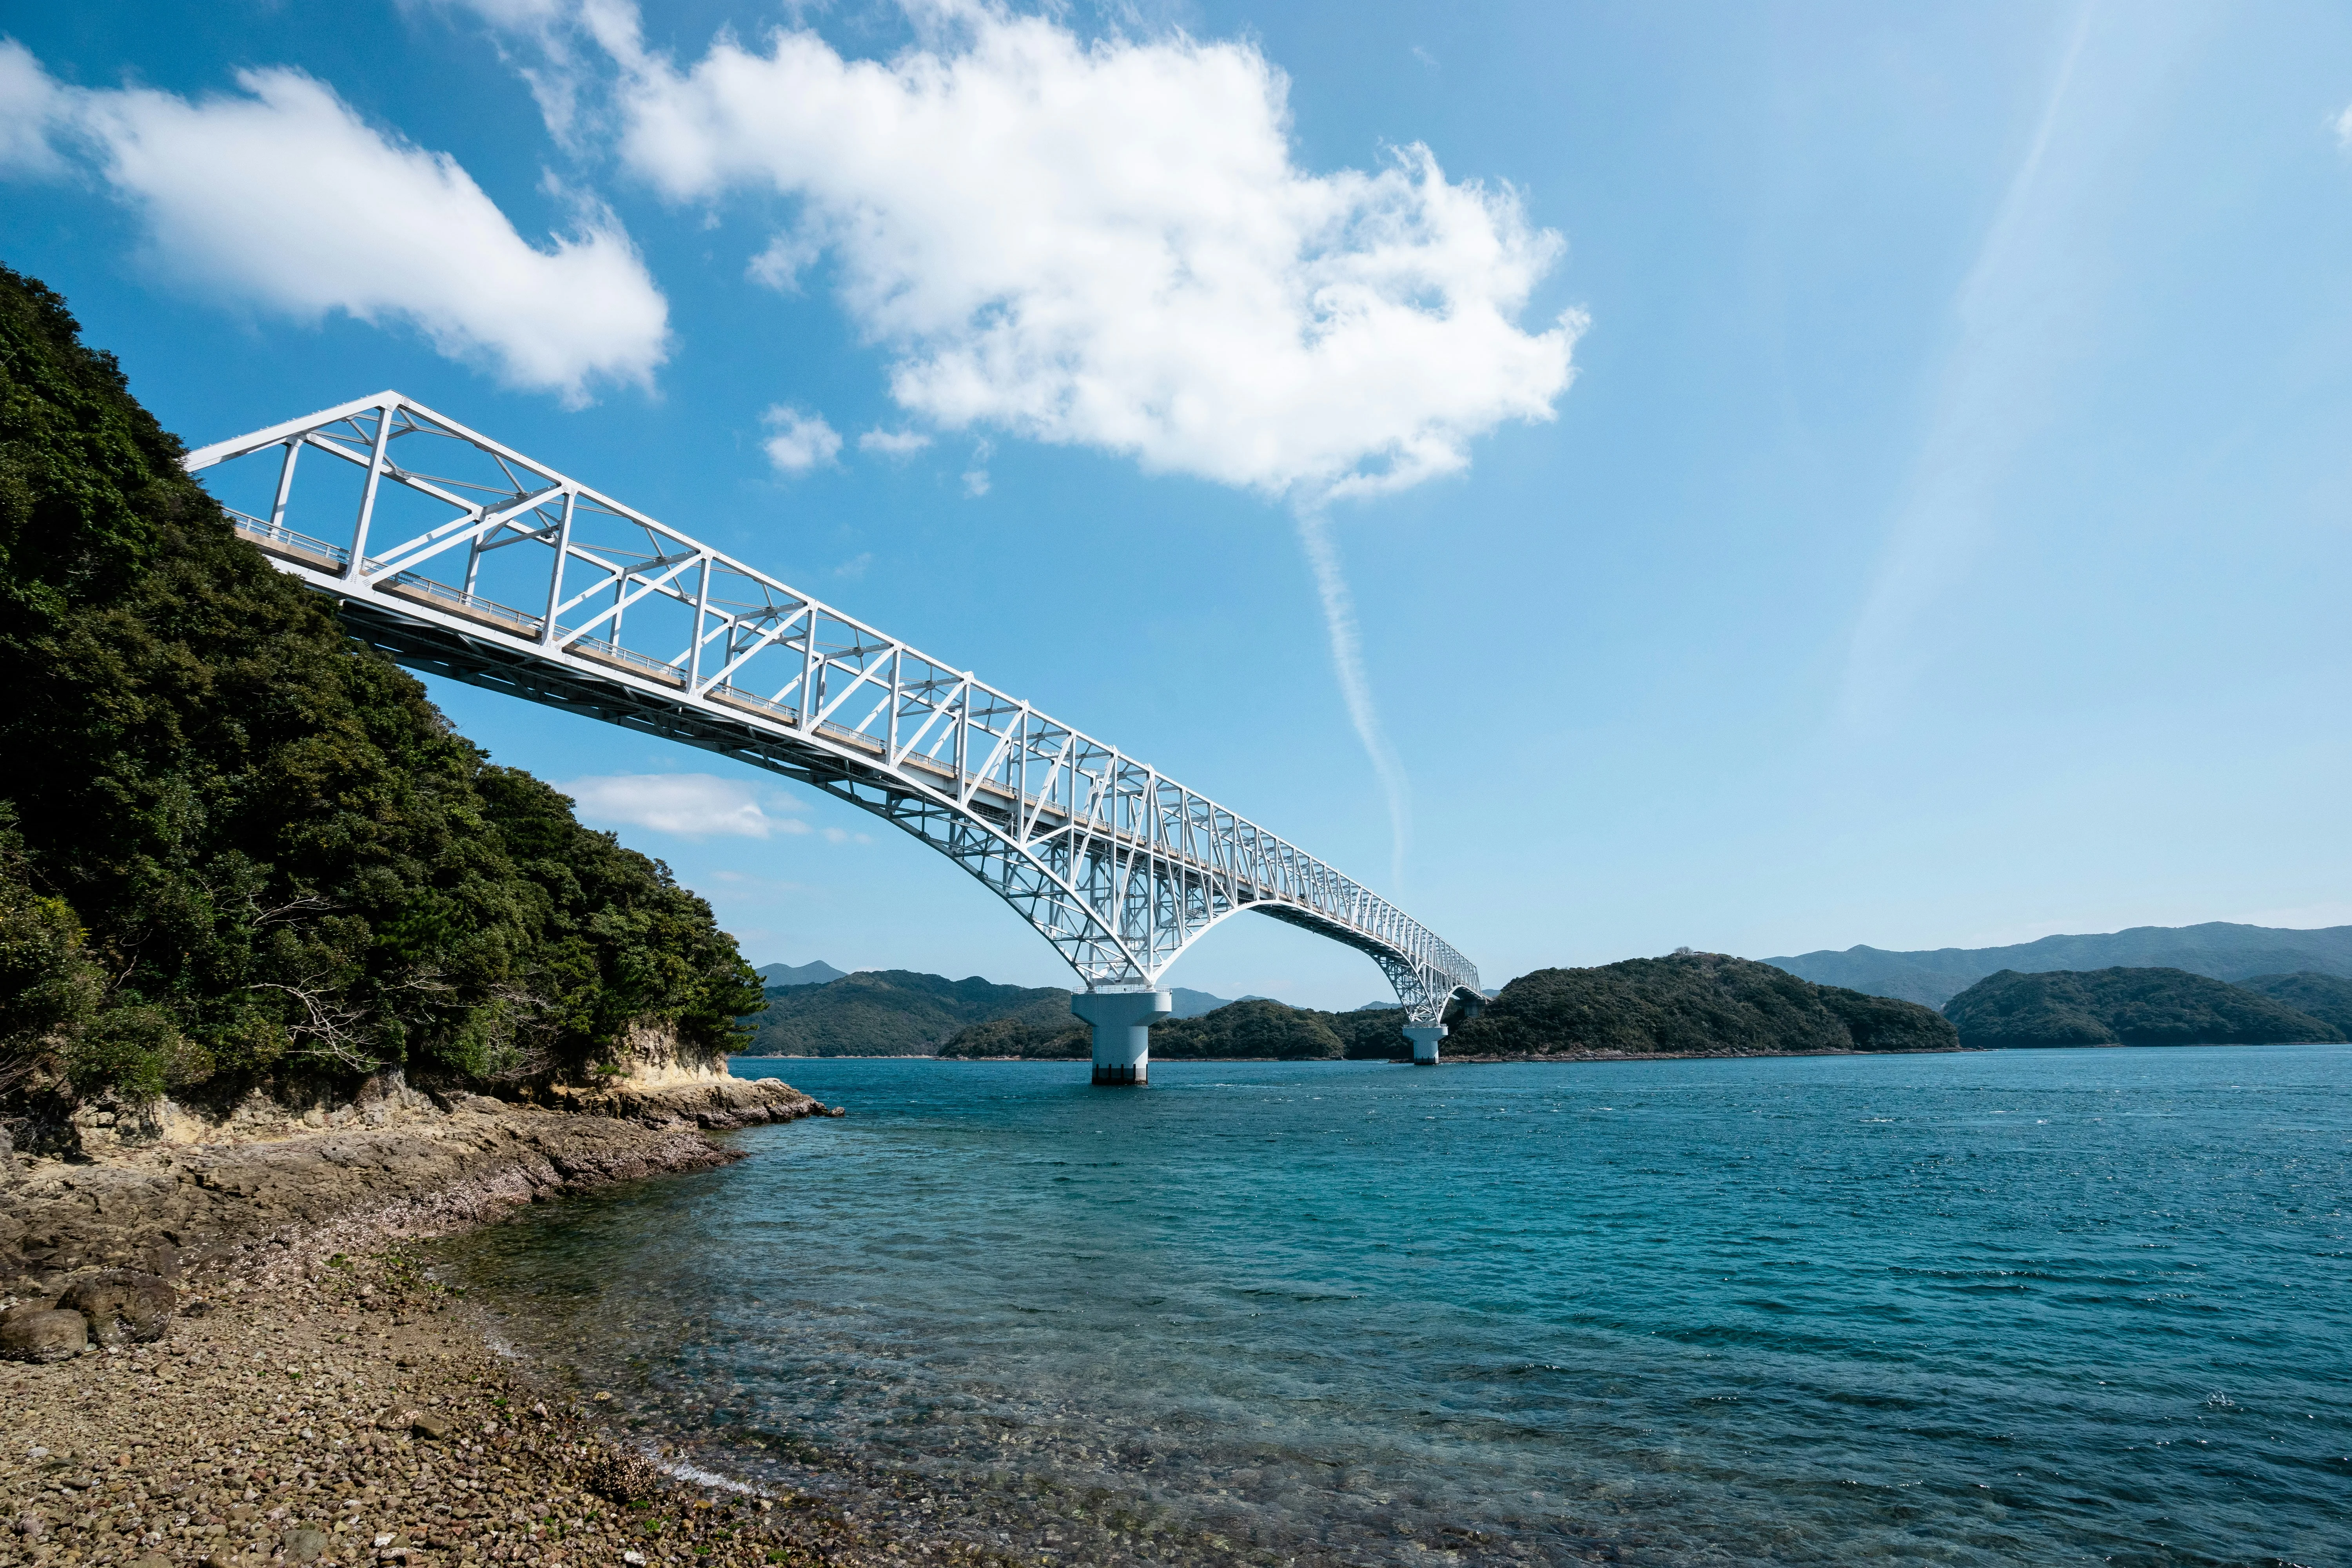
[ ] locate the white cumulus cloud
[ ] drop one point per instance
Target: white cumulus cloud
(695, 805)
(31, 107)
(1109, 245)
(802, 440)
(283, 197)
(893, 443)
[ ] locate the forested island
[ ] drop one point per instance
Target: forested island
(2123, 1007)
(1252, 1030)
(1690, 1004)
(1681, 1005)
(2326, 997)
(894, 1013)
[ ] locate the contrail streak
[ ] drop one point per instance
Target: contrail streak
(1347, 662)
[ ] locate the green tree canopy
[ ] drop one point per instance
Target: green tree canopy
(235, 842)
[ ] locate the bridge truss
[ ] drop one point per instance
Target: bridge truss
(455, 555)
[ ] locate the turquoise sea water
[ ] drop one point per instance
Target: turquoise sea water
(2019, 1307)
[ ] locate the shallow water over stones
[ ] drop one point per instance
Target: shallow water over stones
(1981, 1309)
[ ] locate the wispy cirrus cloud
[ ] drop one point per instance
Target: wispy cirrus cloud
(2026, 314)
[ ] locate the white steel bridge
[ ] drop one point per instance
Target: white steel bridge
(454, 554)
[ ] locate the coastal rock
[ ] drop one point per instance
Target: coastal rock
(715, 1103)
(191, 1208)
(123, 1306)
(42, 1333)
(622, 1476)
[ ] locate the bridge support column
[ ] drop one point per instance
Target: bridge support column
(1424, 1044)
(1122, 1021)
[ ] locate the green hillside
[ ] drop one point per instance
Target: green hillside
(895, 1012)
(2124, 1006)
(1691, 1003)
(2326, 997)
(1255, 1030)
(236, 848)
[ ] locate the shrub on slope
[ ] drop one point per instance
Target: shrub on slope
(1695, 1003)
(234, 844)
(2123, 1007)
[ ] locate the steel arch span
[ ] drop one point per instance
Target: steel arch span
(457, 556)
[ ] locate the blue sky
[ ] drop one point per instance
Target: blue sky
(1797, 475)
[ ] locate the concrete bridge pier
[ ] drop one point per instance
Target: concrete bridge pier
(1122, 1021)
(1424, 1043)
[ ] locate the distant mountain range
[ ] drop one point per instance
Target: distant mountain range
(2217, 949)
(817, 974)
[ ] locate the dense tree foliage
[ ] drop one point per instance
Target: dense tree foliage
(2124, 1006)
(234, 844)
(2326, 997)
(1691, 1003)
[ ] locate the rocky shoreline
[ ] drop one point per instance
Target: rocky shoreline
(170, 1193)
(308, 1393)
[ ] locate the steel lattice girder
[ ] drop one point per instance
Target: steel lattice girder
(1120, 867)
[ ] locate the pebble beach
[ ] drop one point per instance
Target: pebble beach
(314, 1396)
